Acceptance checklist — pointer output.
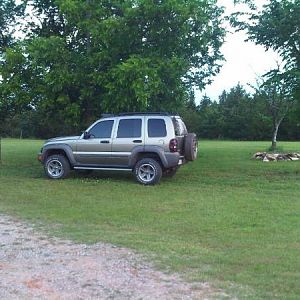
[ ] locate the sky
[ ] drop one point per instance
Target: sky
(244, 60)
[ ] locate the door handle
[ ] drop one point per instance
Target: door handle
(104, 142)
(137, 141)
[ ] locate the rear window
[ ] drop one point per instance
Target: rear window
(129, 128)
(179, 127)
(157, 128)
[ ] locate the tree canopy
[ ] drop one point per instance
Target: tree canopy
(77, 59)
(83, 57)
(277, 27)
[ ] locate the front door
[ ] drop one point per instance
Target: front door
(96, 150)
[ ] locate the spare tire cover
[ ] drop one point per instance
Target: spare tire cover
(190, 146)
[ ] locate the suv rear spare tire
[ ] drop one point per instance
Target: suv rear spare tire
(57, 166)
(190, 146)
(147, 171)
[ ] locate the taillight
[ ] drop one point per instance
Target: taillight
(173, 145)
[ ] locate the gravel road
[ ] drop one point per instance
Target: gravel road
(35, 266)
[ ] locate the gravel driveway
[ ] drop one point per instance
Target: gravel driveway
(35, 266)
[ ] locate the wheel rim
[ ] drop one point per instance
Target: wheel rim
(55, 168)
(146, 172)
(195, 148)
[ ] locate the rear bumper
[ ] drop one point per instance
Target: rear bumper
(181, 161)
(174, 160)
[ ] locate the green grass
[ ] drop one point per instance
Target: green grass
(223, 218)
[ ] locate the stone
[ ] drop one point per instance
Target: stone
(266, 157)
(271, 157)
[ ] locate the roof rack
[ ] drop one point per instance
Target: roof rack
(107, 116)
(144, 114)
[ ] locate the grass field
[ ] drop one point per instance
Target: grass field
(224, 218)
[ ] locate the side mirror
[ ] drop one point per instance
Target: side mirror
(86, 135)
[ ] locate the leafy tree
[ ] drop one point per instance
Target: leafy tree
(82, 58)
(277, 27)
(210, 120)
(277, 95)
(236, 112)
(9, 14)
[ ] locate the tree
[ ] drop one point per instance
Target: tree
(9, 14)
(210, 120)
(236, 113)
(86, 57)
(277, 27)
(276, 93)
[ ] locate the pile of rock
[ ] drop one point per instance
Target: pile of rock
(264, 156)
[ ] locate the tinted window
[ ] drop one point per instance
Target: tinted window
(130, 128)
(102, 129)
(157, 128)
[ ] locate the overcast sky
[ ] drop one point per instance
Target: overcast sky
(244, 60)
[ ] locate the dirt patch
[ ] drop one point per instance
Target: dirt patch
(34, 266)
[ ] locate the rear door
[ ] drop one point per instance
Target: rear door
(128, 134)
(156, 132)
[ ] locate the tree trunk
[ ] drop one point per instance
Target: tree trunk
(274, 138)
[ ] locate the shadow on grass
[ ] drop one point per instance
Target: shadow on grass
(103, 175)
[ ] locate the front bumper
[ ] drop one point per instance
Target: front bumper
(40, 158)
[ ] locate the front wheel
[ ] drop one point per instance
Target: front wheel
(148, 171)
(57, 166)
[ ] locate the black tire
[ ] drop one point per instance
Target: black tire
(190, 146)
(170, 172)
(57, 166)
(147, 171)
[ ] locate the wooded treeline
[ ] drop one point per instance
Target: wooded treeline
(64, 63)
(236, 115)
(239, 115)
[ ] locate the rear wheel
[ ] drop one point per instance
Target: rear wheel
(57, 166)
(190, 146)
(148, 171)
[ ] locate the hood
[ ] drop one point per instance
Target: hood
(63, 138)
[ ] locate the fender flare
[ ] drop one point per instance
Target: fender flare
(64, 147)
(147, 149)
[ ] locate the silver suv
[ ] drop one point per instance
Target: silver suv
(149, 144)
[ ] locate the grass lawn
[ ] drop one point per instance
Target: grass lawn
(224, 218)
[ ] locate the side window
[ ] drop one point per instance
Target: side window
(102, 129)
(157, 128)
(130, 128)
